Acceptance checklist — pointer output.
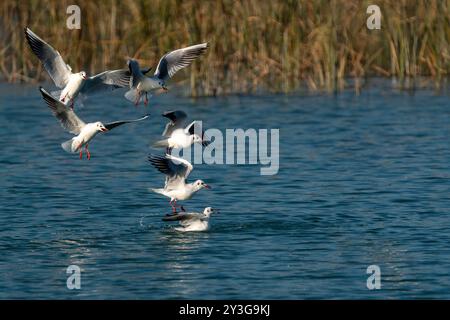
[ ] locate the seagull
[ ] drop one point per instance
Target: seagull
(168, 65)
(192, 221)
(84, 132)
(73, 84)
(177, 136)
(176, 170)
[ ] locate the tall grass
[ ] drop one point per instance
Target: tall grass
(275, 45)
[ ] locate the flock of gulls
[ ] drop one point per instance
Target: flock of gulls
(73, 87)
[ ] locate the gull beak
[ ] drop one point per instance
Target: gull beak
(104, 129)
(216, 211)
(165, 88)
(207, 186)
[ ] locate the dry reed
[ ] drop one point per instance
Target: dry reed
(256, 45)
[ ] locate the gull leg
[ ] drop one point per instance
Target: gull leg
(80, 148)
(146, 99)
(87, 152)
(177, 205)
(174, 209)
(182, 209)
(138, 98)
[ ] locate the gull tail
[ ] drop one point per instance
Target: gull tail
(160, 190)
(161, 143)
(70, 146)
(133, 95)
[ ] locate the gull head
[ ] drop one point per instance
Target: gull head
(208, 211)
(196, 138)
(162, 84)
(83, 75)
(200, 184)
(100, 126)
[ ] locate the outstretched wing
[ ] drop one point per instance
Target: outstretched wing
(52, 61)
(107, 80)
(194, 127)
(135, 72)
(175, 169)
(176, 118)
(112, 125)
(69, 120)
(173, 61)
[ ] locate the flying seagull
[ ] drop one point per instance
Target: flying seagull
(176, 187)
(168, 65)
(73, 83)
(176, 136)
(84, 132)
(192, 221)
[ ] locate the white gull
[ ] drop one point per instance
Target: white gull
(168, 65)
(176, 136)
(73, 84)
(176, 187)
(84, 132)
(192, 221)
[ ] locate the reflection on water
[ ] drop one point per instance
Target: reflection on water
(362, 180)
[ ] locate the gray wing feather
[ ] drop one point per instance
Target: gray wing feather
(136, 73)
(176, 173)
(194, 128)
(107, 80)
(114, 124)
(176, 118)
(176, 60)
(69, 120)
(182, 216)
(52, 61)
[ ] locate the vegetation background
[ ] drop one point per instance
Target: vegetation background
(255, 45)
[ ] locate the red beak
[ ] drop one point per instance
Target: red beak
(207, 186)
(104, 129)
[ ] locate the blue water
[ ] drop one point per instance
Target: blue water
(363, 180)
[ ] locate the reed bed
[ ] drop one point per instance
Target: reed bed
(255, 45)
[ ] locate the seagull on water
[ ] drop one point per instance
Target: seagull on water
(73, 84)
(84, 132)
(168, 65)
(176, 187)
(176, 136)
(192, 221)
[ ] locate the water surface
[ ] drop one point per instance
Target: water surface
(363, 180)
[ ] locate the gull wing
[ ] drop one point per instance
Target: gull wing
(114, 124)
(52, 61)
(176, 169)
(181, 216)
(136, 74)
(176, 118)
(194, 127)
(176, 60)
(107, 80)
(69, 120)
